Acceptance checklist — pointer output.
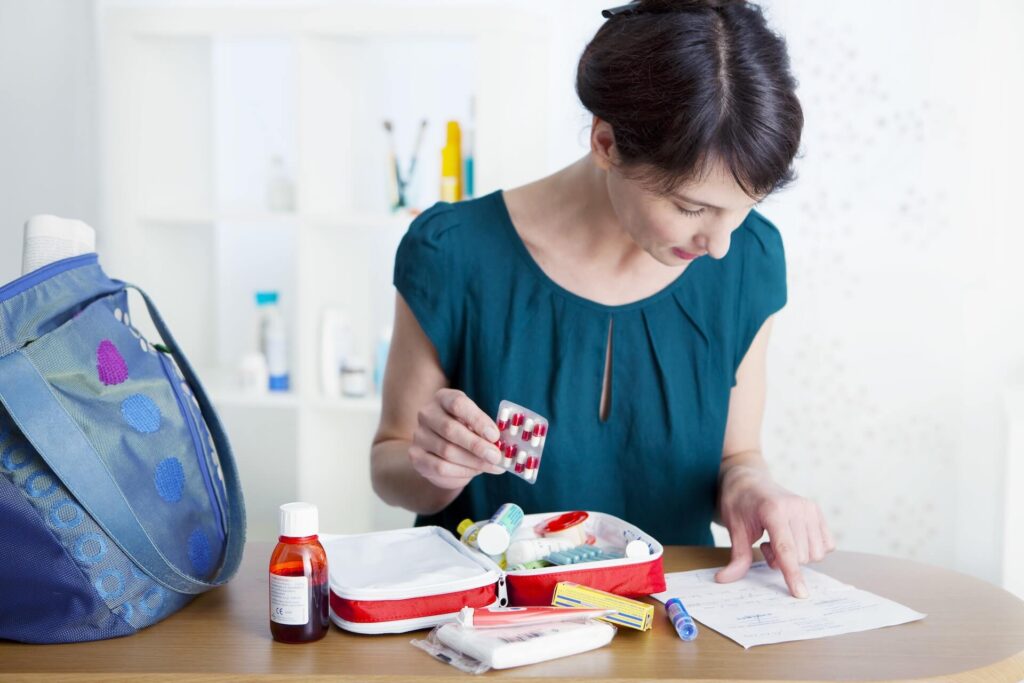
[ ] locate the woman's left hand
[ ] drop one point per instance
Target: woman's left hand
(751, 503)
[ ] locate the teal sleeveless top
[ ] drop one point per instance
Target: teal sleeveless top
(504, 330)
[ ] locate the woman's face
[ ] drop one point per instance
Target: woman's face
(697, 219)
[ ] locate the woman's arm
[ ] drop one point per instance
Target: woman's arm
(431, 440)
(741, 451)
(749, 501)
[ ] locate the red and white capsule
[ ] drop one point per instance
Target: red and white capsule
(521, 462)
(528, 429)
(517, 422)
(542, 430)
(503, 417)
(511, 450)
(532, 464)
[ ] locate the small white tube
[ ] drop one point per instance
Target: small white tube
(533, 549)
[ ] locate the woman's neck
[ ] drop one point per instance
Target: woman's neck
(573, 207)
(567, 223)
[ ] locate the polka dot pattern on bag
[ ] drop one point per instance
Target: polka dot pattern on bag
(110, 364)
(141, 413)
(199, 553)
(170, 479)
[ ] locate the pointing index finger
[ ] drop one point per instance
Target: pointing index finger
(785, 550)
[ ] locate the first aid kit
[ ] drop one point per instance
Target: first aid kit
(410, 579)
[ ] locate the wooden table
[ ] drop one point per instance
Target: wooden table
(973, 632)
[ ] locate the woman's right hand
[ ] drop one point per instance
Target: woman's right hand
(454, 441)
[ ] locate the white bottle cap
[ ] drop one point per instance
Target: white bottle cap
(299, 520)
(493, 539)
(637, 549)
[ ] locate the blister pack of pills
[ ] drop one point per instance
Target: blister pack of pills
(523, 433)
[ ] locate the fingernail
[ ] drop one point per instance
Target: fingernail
(492, 433)
(801, 590)
(494, 456)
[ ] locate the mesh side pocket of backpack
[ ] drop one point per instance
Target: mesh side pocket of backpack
(125, 589)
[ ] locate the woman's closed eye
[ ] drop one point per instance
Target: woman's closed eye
(690, 212)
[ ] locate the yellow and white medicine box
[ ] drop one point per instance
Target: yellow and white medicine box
(628, 613)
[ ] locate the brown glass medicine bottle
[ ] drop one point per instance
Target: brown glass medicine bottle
(298, 578)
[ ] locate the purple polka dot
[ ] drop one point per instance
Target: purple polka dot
(109, 364)
(141, 413)
(170, 479)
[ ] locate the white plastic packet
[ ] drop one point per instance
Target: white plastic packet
(479, 650)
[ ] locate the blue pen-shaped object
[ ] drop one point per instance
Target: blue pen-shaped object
(681, 619)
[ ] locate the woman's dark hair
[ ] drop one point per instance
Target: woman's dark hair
(684, 83)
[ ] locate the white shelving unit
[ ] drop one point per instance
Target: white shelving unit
(197, 100)
(1013, 507)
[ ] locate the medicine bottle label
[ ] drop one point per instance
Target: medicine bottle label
(289, 599)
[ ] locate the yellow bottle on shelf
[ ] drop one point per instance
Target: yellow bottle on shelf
(451, 165)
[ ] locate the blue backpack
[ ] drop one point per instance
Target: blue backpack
(119, 497)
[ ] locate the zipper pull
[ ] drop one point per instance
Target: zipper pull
(502, 591)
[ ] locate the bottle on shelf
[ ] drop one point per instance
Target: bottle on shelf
(354, 378)
(298, 578)
(253, 375)
(451, 165)
(381, 359)
(280, 189)
(335, 346)
(273, 337)
(468, 161)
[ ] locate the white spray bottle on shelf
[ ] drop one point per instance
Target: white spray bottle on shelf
(335, 347)
(273, 337)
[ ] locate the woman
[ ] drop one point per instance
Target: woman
(628, 298)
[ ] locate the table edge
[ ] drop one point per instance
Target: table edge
(1011, 667)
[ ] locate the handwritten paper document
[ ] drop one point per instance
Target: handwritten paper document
(758, 609)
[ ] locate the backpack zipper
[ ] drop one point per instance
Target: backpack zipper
(33, 278)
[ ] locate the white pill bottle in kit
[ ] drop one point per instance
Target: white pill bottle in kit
(273, 336)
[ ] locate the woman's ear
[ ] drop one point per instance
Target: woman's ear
(602, 144)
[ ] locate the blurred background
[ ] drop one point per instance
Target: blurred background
(222, 149)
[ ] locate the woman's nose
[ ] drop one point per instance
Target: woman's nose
(716, 241)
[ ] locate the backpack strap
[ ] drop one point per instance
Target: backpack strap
(40, 416)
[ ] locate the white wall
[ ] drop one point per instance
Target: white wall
(904, 324)
(47, 117)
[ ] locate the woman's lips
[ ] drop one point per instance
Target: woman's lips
(685, 255)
